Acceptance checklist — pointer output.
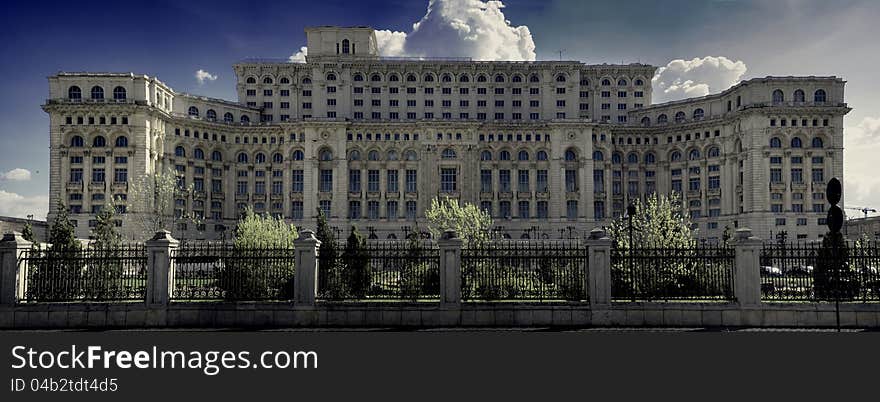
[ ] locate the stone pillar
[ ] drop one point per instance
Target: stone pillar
(13, 283)
(747, 268)
(599, 276)
(160, 269)
(306, 265)
(450, 268)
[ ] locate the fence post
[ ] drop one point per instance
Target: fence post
(13, 282)
(160, 269)
(305, 277)
(599, 264)
(747, 268)
(450, 268)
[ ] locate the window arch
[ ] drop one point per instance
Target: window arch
(277, 158)
(251, 80)
(284, 80)
(632, 158)
(227, 117)
(331, 77)
(211, 114)
(448, 153)
(198, 153)
(499, 78)
(486, 155)
(429, 77)
(354, 155)
(245, 120)
(616, 158)
(358, 77)
(646, 121)
(817, 142)
(796, 142)
(798, 95)
(570, 155)
(242, 157)
(481, 78)
(393, 77)
(193, 111)
(298, 155)
(77, 141)
(694, 154)
(819, 96)
(345, 46)
(410, 155)
(639, 82)
(679, 117)
(778, 96)
(260, 158)
(676, 156)
(522, 155)
(621, 82)
(446, 78)
(410, 78)
(650, 158)
(534, 78)
(775, 142)
(598, 156)
(97, 92)
(375, 78)
(99, 142)
(122, 141)
(216, 156)
(392, 155)
(560, 78)
(714, 152)
(373, 155)
(267, 80)
(606, 82)
(179, 152)
(306, 80)
(74, 93)
(541, 155)
(464, 78)
(699, 114)
(662, 119)
(516, 78)
(504, 156)
(326, 155)
(119, 93)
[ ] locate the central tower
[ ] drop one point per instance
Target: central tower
(329, 41)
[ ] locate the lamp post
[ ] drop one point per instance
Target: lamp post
(630, 212)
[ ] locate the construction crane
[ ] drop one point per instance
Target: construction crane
(864, 210)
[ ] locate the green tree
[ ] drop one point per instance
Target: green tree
(331, 283)
(28, 233)
(56, 272)
(102, 276)
(357, 264)
(151, 202)
(256, 230)
(470, 223)
(660, 221)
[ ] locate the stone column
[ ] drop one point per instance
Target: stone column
(599, 276)
(306, 265)
(450, 269)
(13, 282)
(747, 268)
(160, 269)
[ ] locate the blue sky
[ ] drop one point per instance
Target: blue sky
(172, 40)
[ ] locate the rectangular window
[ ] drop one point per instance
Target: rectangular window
(120, 175)
(98, 175)
(354, 209)
(571, 209)
(504, 181)
(523, 210)
(411, 210)
(325, 182)
(448, 180)
(373, 210)
(797, 175)
(486, 181)
(391, 209)
(373, 181)
(411, 181)
(714, 182)
(504, 209)
(325, 207)
(241, 187)
(818, 175)
(542, 210)
(775, 175)
(297, 185)
(392, 184)
(571, 180)
(354, 181)
(296, 211)
(523, 182)
(541, 179)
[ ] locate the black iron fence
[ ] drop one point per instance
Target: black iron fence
(804, 272)
(394, 270)
(89, 274)
(518, 270)
(664, 274)
(217, 271)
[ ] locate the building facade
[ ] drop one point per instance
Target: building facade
(550, 148)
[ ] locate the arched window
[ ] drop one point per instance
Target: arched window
(796, 142)
(640, 83)
(227, 117)
(486, 155)
(242, 157)
(598, 156)
(646, 121)
(216, 156)
(198, 153)
(446, 78)
(694, 154)
(714, 152)
(410, 155)
(650, 159)
(97, 92)
(616, 158)
(522, 155)
(464, 78)
(410, 78)
(119, 93)
(251, 80)
(193, 111)
(662, 119)
(345, 46)
(306, 80)
(354, 155)
(448, 153)
(632, 158)
(74, 93)
(358, 78)
(541, 155)
(778, 96)
(122, 141)
(621, 82)
(679, 117)
(481, 78)
(211, 114)
(393, 78)
(817, 142)
(429, 78)
(245, 120)
(499, 78)
(179, 152)
(298, 155)
(99, 142)
(260, 158)
(570, 155)
(267, 80)
(534, 78)
(516, 78)
(504, 156)
(775, 142)
(373, 155)
(392, 155)
(676, 156)
(560, 78)
(326, 155)
(698, 114)
(798, 96)
(606, 82)
(76, 142)
(331, 77)
(284, 80)
(819, 96)
(277, 158)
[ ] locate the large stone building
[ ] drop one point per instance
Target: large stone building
(550, 148)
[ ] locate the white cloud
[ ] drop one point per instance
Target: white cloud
(202, 76)
(300, 56)
(866, 132)
(458, 28)
(17, 174)
(16, 205)
(860, 187)
(681, 79)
